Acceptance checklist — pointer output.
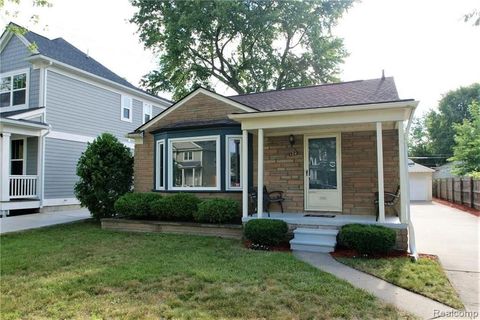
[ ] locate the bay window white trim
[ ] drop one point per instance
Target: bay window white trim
(215, 138)
(126, 103)
(228, 163)
(160, 183)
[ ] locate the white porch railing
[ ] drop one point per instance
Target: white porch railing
(23, 186)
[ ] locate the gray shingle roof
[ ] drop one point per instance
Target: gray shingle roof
(324, 95)
(63, 51)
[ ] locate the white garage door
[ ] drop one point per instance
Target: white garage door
(420, 186)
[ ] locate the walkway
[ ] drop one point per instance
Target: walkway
(454, 236)
(39, 220)
(400, 298)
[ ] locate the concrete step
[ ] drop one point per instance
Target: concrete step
(309, 246)
(316, 235)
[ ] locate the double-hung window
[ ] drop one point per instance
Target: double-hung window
(13, 89)
(126, 109)
(17, 159)
(160, 165)
(233, 162)
(147, 112)
(194, 163)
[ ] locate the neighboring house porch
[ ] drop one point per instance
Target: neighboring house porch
(21, 163)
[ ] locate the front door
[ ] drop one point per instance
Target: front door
(323, 182)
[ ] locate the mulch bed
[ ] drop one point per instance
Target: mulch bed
(473, 211)
(349, 253)
(285, 247)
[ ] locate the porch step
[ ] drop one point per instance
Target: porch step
(314, 240)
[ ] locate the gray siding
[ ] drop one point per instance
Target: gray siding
(34, 88)
(32, 155)
(13, 58)
(61, 159)
(77, 107)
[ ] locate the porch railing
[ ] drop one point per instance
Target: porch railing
(23, 186)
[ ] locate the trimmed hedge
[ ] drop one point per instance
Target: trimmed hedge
(177, 207)
(367, 239)
(136, 205)
(217, 211)
(267, 232)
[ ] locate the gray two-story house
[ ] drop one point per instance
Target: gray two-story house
(54, 99)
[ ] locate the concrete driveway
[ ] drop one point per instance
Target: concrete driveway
(39, 220)
(452, 235)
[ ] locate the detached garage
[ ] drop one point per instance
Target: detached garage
(420, 181)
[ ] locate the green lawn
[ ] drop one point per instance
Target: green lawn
(81, 271)
(425, 277)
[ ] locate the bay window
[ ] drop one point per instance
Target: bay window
(194, 163)
(233, 162)
(160, 165)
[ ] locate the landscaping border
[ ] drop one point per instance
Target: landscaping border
(231, 231)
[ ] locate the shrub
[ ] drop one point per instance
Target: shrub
(136, 205)
(267, 232)
(217, 211)
(105, 173)
(367, 239)
(177, 207)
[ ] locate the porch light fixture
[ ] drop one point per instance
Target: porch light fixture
(291, 140)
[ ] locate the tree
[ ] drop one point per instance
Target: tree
(453, 108)
(105, 170)
(467, 144)
(473, 16)
(249, 45)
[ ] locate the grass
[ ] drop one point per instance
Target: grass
(425, 277)
(81, 271)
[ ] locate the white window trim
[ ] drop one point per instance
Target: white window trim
(147, 109)
(157, 165)
(227, 163)
(170, 163)
(130, 108)
(24, 159)
(27, 90)
(185, 153)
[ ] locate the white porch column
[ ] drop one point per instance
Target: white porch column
(5, 167)
(260, 175)
(244, 167)
(403, 160)
(381, 195)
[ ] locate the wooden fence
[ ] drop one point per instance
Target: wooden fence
(465, 191)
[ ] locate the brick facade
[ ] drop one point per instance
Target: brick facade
(283, 170)
(359, 169)
(200, 107)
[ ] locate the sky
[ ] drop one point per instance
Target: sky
(424, 44)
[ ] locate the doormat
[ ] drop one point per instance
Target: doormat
(319, 215)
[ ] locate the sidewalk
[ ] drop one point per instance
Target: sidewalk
(400, 298)
(39, 220)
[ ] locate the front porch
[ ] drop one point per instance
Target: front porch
(21, 164)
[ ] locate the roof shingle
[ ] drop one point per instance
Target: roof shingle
(324, 95)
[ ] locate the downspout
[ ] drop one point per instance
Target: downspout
(42, 136)
(411, 231)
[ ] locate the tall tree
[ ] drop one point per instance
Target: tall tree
(453, 109)
(467, 144)
(249, 45)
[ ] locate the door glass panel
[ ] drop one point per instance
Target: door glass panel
(322, 161)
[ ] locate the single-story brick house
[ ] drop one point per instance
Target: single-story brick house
(328, 147)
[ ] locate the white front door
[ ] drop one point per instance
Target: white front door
(323, 178)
